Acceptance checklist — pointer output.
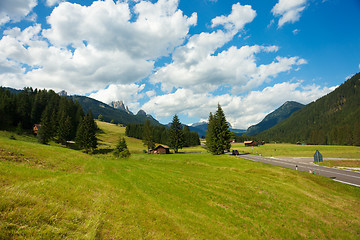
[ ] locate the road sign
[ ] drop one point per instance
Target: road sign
(318, 157)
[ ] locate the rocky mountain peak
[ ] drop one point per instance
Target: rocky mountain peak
(63, 93)
(120, 105)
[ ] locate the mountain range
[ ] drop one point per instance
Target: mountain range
(201, 127)
(275, 117)
(120, 114)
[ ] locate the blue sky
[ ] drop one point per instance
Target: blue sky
(182, 57)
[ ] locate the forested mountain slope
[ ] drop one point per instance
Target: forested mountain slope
(274, 117)
(332, 119)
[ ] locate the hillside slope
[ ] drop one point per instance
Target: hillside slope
(274, 117)
(332, 119)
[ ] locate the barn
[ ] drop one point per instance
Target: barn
(161, 149)
(36, 128)
(250, 143)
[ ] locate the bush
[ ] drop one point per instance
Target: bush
(121, 149)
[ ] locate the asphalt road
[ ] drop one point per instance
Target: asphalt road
(340, 175)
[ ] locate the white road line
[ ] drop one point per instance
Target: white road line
(334, 172)
(352, 184)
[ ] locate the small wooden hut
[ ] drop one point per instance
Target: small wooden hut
(161, 149)
(250, 143)
(36, 128)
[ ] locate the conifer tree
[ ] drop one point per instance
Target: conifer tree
(86, 134)
(100, 118)
(217, 133)
(148, 139)
(176, 135)
(44, 133)
(121, 149)
(223, 130)
(187, 136)
(65, 128)
(211, 134)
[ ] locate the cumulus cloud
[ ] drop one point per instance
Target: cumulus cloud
(15, 10)
(128, 93)
(240, 15)
(83, 70)
(51, 3)
(234, 67)
(288, 10)
(241, 112)
(198, 66)
(89, 47)
(107, 25)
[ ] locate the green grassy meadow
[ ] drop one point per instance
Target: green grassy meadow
(52, 192)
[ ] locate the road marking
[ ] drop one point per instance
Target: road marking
(334, 172)
(352, 184)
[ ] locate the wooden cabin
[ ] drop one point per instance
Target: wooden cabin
(36, 128)
(250, 143)
(161, 149)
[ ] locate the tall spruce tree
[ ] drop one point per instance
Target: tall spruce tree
(65, 128)
(176, 135)
(45, 133)
(218, 133)
(148, 138)
(187, 136)
(86, 134)
(210, 134)
(223, 129)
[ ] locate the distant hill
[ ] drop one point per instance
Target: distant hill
(201, 127)
(13, 90)
(274, 117)
(109, 113)
(332, 119)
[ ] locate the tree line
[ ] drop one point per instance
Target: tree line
(59, 118)
(176, 136)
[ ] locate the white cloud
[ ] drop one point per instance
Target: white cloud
(15, 10)
(106, 25)
(51, 3)
(234, 67)
(239, 16)
(295, 31)
(241, 112)
(128, 93)
(109, 45)
(196, 66)
(288, 10)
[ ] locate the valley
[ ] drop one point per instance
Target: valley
(49, 191)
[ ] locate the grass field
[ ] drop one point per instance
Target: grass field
(51, 192)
